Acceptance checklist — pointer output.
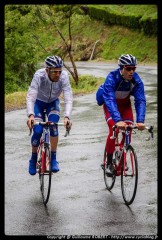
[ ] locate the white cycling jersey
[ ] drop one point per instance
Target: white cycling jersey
(43, 89)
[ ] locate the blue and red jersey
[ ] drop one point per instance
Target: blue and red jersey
(116, 91)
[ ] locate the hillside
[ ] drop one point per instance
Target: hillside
(31, 35)
(109, 41)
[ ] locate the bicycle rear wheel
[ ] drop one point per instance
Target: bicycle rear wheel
(45, 176)
(109, 180)
(129, 175)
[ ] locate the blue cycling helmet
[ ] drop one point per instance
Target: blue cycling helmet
(53, 61)
(127, 59)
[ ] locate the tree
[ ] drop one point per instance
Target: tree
(20, 52)
(25, 27)
(57, 15)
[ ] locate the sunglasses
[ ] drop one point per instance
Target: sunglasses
(130, 68)
(55, 71)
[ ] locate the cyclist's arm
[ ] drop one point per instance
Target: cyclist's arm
(30, 100)
(67, 94)
(110, 98)
(32, 95)
(139, 99)
(30, 120)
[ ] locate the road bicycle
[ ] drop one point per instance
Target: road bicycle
(124, 163)
(43, 164)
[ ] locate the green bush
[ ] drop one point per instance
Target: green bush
(148, 24)
(87, 83)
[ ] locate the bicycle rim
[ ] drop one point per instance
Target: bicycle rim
(129, 177)
(45, 177)
(109, 181)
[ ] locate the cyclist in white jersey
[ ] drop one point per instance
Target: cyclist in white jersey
(47, 85)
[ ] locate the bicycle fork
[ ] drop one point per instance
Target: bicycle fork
(131, 156)
(40, 160)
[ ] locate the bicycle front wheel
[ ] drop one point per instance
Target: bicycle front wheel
(109, 180)
(129, 175)
(45, 176)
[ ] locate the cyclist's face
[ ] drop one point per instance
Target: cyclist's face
(54, 73)
(128, 72)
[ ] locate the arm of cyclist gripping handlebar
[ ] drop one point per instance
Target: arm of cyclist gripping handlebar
(49, 124)
(150, 130)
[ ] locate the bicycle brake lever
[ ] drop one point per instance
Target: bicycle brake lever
(114, 132)
(67, 129)
(150, 130)
(30, 131)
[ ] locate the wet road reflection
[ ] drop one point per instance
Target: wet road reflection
(79, 202)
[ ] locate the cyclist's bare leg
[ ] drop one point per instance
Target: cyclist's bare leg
(54, 142)
(34, 149)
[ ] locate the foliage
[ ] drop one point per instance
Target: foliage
(16, 100)
(86, 84)
(30, 36)
(66, 12)
(145, 10)
(19, 49)
(131, 16)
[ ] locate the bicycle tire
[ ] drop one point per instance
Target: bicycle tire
(109, 180)
(129, 176)
(45, 176)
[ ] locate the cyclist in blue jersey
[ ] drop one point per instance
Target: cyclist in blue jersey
(44, 91)
(114, 94)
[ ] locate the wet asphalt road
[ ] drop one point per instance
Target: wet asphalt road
(79, 203)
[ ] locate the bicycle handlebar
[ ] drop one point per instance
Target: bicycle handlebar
(48, 123)
(150, 130)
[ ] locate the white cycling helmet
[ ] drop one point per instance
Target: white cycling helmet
(127, 59)
(53, 61)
